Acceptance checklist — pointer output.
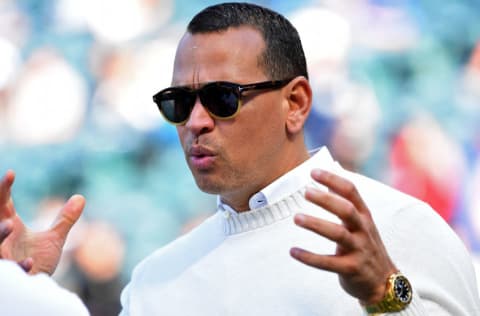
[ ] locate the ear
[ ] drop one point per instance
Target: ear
(299, 102)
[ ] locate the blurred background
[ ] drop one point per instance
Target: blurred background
(396, 97)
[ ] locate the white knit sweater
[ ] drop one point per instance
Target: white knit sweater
(22, 294)
(239, 263)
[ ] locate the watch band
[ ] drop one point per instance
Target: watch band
(397, 297)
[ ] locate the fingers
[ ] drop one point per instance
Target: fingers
(5, 186)
(342, 208)
(342, 187)
(360, 260)
(6, 204)
(69, 215)
(342, 201)
(335, 232)
(330, 263)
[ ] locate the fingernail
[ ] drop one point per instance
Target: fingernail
(309, 190)
(76, 199)
(299, 218)
(294, 252)
(317, 173)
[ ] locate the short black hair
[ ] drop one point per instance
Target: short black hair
(283, 56)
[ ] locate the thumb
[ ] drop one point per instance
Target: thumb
(68, 215)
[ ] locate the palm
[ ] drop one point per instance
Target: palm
(45, 247)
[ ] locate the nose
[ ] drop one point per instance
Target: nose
(200, 121)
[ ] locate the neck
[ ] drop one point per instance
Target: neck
(239, 199)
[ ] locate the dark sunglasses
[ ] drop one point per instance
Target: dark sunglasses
(222, 99)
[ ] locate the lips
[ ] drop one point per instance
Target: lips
(201, 157)
(197, 151)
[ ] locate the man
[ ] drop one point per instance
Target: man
(286, 240)
(25, 295)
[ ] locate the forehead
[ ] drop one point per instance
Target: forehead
(230, 55)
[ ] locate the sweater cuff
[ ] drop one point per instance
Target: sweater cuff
(415, 308)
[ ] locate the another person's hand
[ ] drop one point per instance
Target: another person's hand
(34, 251)
(6, 227)
(361, 260)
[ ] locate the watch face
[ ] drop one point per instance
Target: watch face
(402, 289)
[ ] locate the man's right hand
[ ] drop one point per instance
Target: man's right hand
(34, 251)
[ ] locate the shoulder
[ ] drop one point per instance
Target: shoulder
(395, 212)
(24, 294)
(384, 200)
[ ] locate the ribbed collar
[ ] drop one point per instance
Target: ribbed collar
(236, 223)
(278, 200)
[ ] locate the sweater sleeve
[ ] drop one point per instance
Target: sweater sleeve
(415, 308)
(435, 260)
(125, 301)
(425, 249)
(24, 295)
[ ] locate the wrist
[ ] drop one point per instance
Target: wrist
(397, 296)
(379, 292)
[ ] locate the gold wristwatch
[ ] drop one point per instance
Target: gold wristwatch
(397, 297)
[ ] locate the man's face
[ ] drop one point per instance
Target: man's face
(239, 156)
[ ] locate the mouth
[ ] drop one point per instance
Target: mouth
(200, 151)
(201, 158)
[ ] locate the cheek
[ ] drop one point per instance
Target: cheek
(268, 125)
(260, 133)
(181, 135)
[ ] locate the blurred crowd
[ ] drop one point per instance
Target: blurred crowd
(396, 97)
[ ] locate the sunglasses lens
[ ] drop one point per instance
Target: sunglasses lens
(176, 105)
(221, 100)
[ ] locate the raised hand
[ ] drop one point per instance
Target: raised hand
(361, 260)
(34, 251)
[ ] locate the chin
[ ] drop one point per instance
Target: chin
(208, 185)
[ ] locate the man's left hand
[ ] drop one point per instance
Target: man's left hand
(361, 260)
